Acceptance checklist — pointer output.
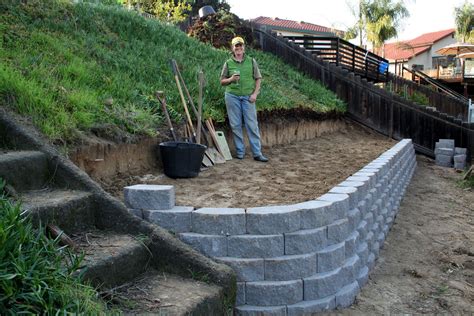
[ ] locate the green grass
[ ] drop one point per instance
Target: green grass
(36, 275)
(59, 62)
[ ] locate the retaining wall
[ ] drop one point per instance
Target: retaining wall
(307, 257)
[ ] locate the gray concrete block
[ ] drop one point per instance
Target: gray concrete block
(149, 197)
(369, 218)
(271, 293)
(340, 203)
(444, 151)
(346, 296)
(240, 295)
(312, 307)
(362, 187)
(338, 231)
(445, 143)
(363, 276)
(351, 244)
(293, 267)
(370, 239)
(354, 217)
(460, 151)
(219, 221)
(331, 257)
(177, 219)
(376, 248)
(444, 161)
(268, 220)
(305, 241)
(322, 285)
(210, 245)
(363, 229)
(247, 310)
(350, 270)
(460, 158)
(371, 261)
(256, 246)
(247, 270)
(363, 253)
(352, 192)
(459, 166)
(137, 212)
(362, 206)
(368, 182)
(314, 214)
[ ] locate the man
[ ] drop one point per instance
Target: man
(241, 77)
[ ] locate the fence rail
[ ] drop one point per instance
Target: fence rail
(343, 53)
(370, 105)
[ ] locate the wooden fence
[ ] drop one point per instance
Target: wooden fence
(457, 107)
(370, 105)
(343, 53)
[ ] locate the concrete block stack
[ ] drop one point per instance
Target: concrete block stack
(460, 156)
(444, 152)
(447, 155)
(296, 259)
(156, 204)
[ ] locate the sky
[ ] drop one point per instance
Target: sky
(425, 15)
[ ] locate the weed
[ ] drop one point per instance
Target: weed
(36, 275)
(199, 276)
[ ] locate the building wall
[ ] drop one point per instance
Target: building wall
(425, 58)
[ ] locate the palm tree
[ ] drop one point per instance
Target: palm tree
(358, 30)
(464, 19)
(383, 19)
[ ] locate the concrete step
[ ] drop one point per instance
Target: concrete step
(70, 210)
(111, 258)
(24, 170)
(160, 293)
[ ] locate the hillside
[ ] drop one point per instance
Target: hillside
(79, 68)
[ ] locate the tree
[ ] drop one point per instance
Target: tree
(172, 11)
(358, 30)
(377, 21)
(383, 19)
(216, 4)
(464, 20)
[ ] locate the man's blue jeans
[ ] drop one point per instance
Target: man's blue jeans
(240, 111)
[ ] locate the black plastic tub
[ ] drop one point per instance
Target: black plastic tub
(181, 159)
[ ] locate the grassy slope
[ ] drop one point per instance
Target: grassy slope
(59, 62)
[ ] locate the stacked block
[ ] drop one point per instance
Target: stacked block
(460, 156)
(156, 204)
(448, 156)
(307, 257)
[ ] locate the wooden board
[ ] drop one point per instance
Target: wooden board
(223, 145)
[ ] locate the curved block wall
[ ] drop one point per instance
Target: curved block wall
(307, 257)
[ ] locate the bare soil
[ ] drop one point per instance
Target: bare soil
(426, 265)
(427, 262)
(295, 173)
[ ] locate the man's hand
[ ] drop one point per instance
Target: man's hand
(253, 98)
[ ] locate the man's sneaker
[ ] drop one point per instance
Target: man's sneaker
(239, 157)
(261, 158)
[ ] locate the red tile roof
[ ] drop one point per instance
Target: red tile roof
(416, 46)
(294, 25)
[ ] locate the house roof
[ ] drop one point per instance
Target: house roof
(408, 49)
(282, 24)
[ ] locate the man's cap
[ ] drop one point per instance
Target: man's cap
(237, 40)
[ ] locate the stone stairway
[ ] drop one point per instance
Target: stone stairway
(137, 266)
